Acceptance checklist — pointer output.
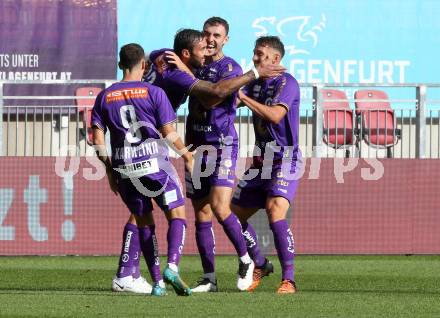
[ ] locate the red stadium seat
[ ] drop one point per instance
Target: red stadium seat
(338, 119)
(376, 119)
(85, 109)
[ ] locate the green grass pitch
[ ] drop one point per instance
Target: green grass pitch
(329, 286)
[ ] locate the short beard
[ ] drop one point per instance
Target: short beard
(194, 63)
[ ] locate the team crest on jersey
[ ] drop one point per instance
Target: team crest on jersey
(211, 74)
(230, 67)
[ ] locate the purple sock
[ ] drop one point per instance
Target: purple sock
(252, 244)
(136, 245)
(284, 244)
(135, 270)
(206, 245)
(148, 242)
(176, 240)
(232, 228)
(129, 258)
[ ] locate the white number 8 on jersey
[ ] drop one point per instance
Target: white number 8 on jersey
(129, 121)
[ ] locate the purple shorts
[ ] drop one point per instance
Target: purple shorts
(166, 191)
(254, 193)
(223, 175)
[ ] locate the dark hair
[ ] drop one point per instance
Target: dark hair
(130, 55)
(217, 20)
(271, 41)
(186, 39)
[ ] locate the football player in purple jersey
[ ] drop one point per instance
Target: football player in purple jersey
(172, 70)
(274, 103)
(138, 116)
(179, 82)
(210, 129)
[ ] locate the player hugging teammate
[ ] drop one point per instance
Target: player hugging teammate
(198, 68)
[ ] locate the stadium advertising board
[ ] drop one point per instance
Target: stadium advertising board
(55, 40)
(326, 41)
(62, 206)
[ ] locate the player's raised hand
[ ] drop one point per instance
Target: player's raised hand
(173, 58)
(240, 97)
(270, 70)
(160, 63)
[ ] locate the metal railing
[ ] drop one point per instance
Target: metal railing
(47, 129)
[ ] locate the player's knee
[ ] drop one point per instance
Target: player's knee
(176, 213)
(222, 215)
(132, 219)
(275, 215)
(144, 220)
(276, 209)
(203, 215)
(221, 209)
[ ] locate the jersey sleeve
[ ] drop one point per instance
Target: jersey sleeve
(180, 80)
(97, 119)
(164, 112)
(286, 92)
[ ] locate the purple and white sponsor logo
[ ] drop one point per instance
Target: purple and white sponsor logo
(291, 241)
(125, 258)
(127, 241)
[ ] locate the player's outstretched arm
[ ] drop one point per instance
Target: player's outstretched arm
(273, 113)
(211, 94)
(101, 152)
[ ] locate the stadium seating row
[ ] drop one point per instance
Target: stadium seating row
(373, 120)
(85, 109)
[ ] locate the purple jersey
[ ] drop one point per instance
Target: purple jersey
(281, 90)
(211, 127)
(176, 83)
(132, 112)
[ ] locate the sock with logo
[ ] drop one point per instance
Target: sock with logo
(148, 241)
(176, 240)
(206, 245)
(129, 258)
(232, 228)
(284, 245)
(252, 244)
(135, 270)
